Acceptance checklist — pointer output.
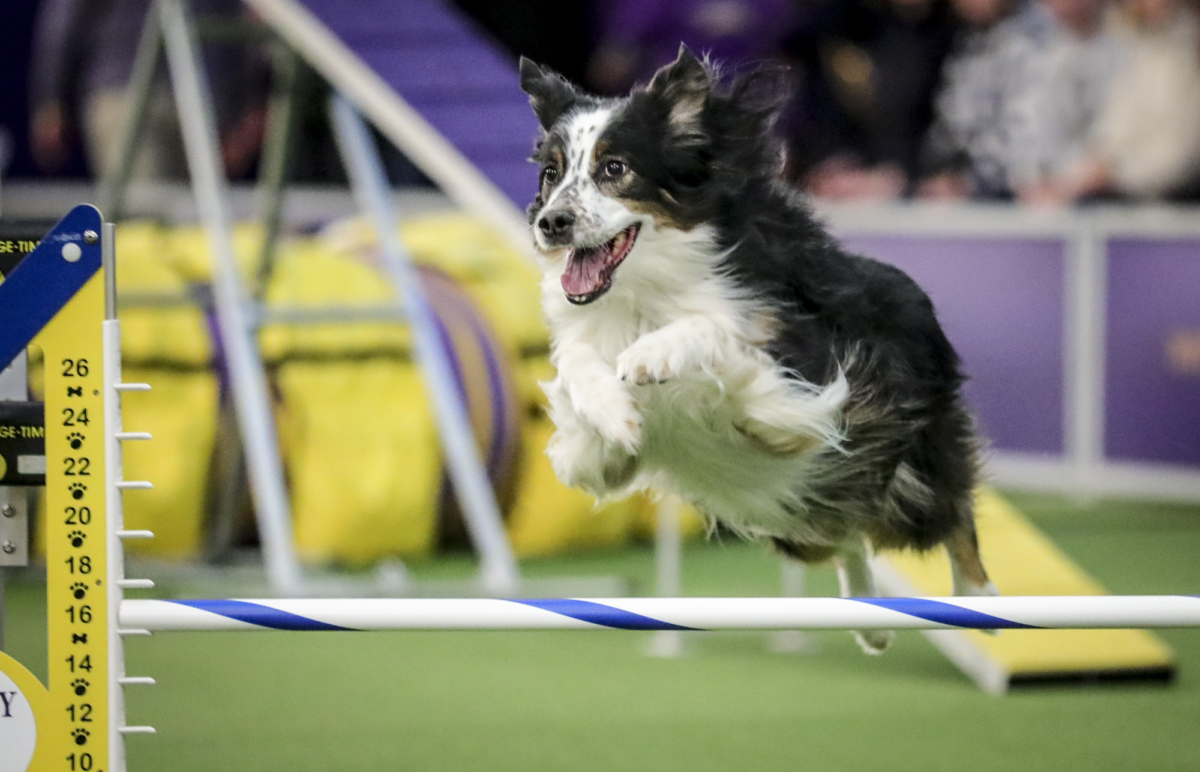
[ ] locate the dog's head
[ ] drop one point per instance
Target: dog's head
(617, 173)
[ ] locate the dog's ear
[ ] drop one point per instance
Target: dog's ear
(550, 94)
(764, 92)
(684, 85)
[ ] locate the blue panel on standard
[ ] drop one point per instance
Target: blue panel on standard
(47, 279)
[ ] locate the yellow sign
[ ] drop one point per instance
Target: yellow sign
(63, 726)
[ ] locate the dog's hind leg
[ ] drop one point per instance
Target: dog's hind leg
(857, 581)
(781, 417)
(970, 577)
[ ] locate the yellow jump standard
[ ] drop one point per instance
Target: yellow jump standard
(63, 292)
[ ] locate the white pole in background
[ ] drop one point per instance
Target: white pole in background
(668, 567)
(114, 510)
(1085, 280)
(251, 397)
(498, 570)
(793, 641)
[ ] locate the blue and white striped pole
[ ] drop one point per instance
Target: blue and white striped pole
(1045, 612)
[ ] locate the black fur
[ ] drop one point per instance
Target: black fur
(719, 164)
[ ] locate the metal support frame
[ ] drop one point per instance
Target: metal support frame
(170, 29)
(115, 184)
(251, 396)
(277, 145)
(498, 569)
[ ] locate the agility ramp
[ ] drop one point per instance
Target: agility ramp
(1022, 561)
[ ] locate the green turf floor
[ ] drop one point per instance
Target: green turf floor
(494, 702)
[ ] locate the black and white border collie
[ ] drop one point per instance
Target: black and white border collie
(713, 341)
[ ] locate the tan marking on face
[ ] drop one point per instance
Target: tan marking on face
(600, 150)
(662, 217)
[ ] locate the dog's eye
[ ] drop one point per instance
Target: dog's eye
(549, 175)
(615, 169)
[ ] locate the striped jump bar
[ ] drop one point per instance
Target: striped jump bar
(1045, 612)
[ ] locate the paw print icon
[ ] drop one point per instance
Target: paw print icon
(79, 590)
(77, 538)
(77, 490)
(80, 686)
(81, 736)
(76, 439)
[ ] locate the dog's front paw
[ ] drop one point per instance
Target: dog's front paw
(652, 358)
(581, 459)
(614, 415)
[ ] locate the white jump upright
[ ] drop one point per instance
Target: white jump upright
(115, 533)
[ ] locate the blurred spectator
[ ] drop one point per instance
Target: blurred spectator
(972, 147)
(82, 62)
(639, 36)
(1020, 99)
(1075, 72)
(883, 69)
(1146, 141)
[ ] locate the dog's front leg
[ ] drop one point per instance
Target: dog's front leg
(599, 397)
(691, 344)
(581, 458)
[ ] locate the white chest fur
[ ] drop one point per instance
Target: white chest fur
(662, 384)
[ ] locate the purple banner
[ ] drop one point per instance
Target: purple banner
(1152, 373)
(1001, 304)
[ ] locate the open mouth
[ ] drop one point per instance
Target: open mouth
(590, 270)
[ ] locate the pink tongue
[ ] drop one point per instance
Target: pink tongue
(585, 272)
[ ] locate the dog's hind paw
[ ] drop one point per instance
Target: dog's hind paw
(874, 642)
(965, 589)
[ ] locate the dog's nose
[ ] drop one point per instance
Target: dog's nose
(556, 225)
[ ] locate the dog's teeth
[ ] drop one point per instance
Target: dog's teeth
(619, 240)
